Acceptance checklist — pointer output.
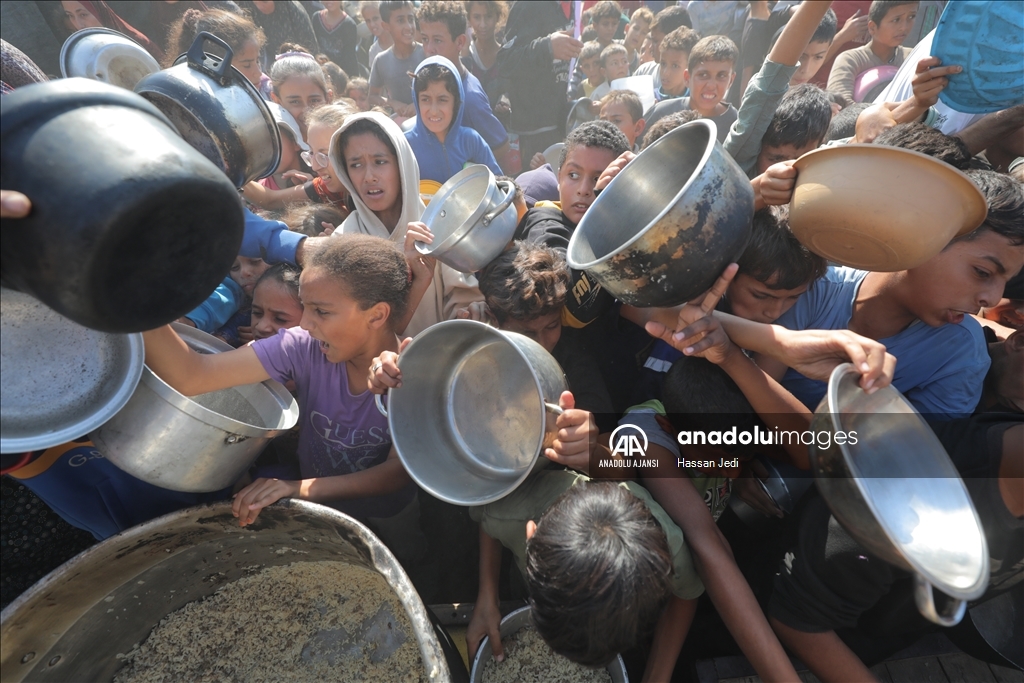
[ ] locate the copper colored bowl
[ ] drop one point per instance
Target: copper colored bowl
(881, 208)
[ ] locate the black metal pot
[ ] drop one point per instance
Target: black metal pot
(217, 110)
(130, 226)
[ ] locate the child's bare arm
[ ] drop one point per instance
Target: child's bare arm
(722, 579)
(486, 612)
(669, 635)
(266, 198)
(193, 373)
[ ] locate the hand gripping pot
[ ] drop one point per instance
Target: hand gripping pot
(471, 416)
(218, 111)
(130, 226)
(472, 219)
(77, 622)
(667, 225)
(897, 492)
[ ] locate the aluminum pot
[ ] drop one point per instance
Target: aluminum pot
(471, 416)
(198, 444)
(472, 219)
(58, 380)
(130, 227)
(898, 494)
(72, 625)
(103, 54)
(217, 110)
(667, 225)
(517, 621)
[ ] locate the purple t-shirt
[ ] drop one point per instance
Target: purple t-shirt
(339, 433)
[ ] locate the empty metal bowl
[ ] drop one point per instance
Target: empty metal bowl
(516, 621)
(59, 380)
(470, 418)
(102, 54)
(881, 208)
(667, 225)
(898, 493)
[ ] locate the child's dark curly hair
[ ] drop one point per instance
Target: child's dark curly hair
(599, 134)
(526, 282)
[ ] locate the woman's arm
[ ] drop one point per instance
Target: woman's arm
(487, 610)
(191, 373)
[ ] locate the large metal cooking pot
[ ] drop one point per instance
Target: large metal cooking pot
(130, 227)
(897, 492)
(517, 621)
(669, 223)
(217, 110)
(72, 625)
(472, 219)
(103, 54)
(198, 444)
(471, 416)
(58, 380)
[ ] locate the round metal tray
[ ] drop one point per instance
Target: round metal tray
(58, 380)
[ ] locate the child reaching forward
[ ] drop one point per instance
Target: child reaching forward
(354, 289)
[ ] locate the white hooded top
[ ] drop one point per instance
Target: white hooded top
(450, 289)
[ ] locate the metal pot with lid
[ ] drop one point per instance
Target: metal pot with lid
(102, 54)
(217, 110)
(894, 488)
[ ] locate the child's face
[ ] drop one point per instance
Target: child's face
(247, 60)
(373, 171)
(616, 66)
(274, 308)
(636, 31)
(811, 60)
(298, 95)
(777, 154)
(545, 330)
(673, 72)
(605, 29)
(437, 108)
(319, 141)
(361, 98)
(438, 41)
(591, 68)
(754, 300)
(618, 115)
(895, 26)
(656, 37)
(1008, 312)
(246, 271)
(332, 317)
(577, 177)
(371, 15)
(709, 82)
(963, 279)
(402, 25)
(79, 17)
(483, 21)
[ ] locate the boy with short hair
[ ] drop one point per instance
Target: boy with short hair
(675, 57)
(605, 17)
(370, 11)
(799, 126)
(614, 65)
(589, 64)
(623, 109)
(443, 25)
(709, 74)
(666, 21)
(638, 28)
(390, 70)
(889, 22)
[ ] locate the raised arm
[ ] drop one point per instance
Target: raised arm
(193, 373)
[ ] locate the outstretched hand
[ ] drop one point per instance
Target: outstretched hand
(576, 437)
(698, 332)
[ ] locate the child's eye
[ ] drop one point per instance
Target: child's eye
(320, 312)
(760, 296)
(573, 175)
(983, 274)
(280, 321)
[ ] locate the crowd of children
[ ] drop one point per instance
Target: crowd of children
(381, 102)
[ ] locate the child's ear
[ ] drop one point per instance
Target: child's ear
(531, 529)
(638, 127)
(379, 314)
(731, 79)
(461, 41)
(274, 97)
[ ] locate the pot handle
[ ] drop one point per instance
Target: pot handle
(552, 408)
(220, 70)
(510, 194)
(924, 596)
(379, 400)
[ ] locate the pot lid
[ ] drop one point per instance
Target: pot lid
(58, 380)
(102, 54)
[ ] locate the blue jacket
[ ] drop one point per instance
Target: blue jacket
(441, 160)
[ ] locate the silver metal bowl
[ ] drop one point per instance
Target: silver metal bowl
(102, 54)
(59, 380)
(898, 493)
(471, 416)
(516, 621)
(73, 623)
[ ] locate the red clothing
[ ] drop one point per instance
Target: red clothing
(844, 9)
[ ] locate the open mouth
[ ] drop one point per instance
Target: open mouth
(374, 193)
(580, 207)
